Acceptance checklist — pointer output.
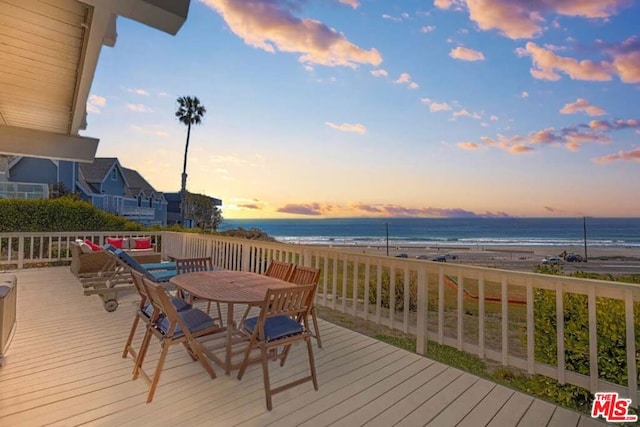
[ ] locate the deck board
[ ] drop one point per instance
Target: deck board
(65, 368)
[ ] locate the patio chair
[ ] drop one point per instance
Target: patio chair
(190, 265)
(308, 276)
(171, 327)
(282, 322)
(145, 312)
(277, 269)
(114, 276)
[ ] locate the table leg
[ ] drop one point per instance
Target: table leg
(230, 327)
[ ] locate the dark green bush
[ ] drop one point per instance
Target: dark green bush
(62, 214)
(385, 297)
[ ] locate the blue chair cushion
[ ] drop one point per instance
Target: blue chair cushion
(178, 303)
(160, 276)
(130, 261)
(159, 266)
(196, 320)
(275, 327)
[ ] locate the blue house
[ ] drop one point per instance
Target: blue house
(173, 208)
(105, 183)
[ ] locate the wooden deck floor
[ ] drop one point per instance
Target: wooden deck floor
(64, 368)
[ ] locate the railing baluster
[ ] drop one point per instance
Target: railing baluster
(422, 326)
(367, 276)
(460, 309)
(632, 370)
(593, 339)
(345, 275)
(354, 295)
(481, 309)
(392, 296)
(334, 281)
(531, 357)
(505, 322)
(378, 292)
(406, 302)
(325, 280)
(560, 331)
(440, 305)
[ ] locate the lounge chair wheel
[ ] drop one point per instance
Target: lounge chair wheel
(110, 305)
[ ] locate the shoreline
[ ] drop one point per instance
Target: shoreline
(603, 260)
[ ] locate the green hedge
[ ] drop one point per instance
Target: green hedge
(61, 214)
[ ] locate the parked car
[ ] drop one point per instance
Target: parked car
(574, 258)
(552, 260)
(402, 256)
(440, 258)
(422, 257)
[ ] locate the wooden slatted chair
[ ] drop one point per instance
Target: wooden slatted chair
(190, 265)
(145, 313)
(282, 321)
(171, 327)
(308, 276)
(276, 269)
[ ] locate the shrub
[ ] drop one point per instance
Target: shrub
(61, 214)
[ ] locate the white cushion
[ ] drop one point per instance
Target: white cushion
(85, 249)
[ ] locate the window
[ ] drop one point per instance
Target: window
(114, 174)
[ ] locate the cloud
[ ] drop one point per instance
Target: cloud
(270, 25)
(547, 65)
(435, 106)
(571, 137)
(311, 209)
(353, 3)
(347, 127)
(392, 210)
(253, 206)
(523, 19)
(466, 54)
(391, 18)
(140, 92)
(427, 28)
(493, 117)
(626, 60)
(524, 94)
(149, 130)
(405, 78)
(379, 73)
(139, 108)
(468, 145)
(95, 103)
(582, 104)
(631, 155)
(464, 113)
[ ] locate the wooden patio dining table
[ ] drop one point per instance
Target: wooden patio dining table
(231, 288)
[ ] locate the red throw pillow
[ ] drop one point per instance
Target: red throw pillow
(143, 243)
(117, 243)
(92, 245)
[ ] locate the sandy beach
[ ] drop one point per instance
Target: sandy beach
(611, 260)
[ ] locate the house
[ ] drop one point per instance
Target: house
(105, 183)
(50, 53)
(173, 208)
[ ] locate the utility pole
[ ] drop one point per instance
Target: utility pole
(584, 227)
(387, 227)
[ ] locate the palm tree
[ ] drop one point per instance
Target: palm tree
(190, 112)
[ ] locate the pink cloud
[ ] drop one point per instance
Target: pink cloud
(435, 106)
(632, 155)
(582, 105)
(270, 25)
(311, 209)
(469, 145)
(406, 211)
(353, 3)
(466, 54)
(250, 206)
(627, 65)
(519, 19)
(379, 73)
(547, 65)
(348, 127)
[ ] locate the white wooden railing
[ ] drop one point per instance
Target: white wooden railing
(440, 308)
(21, 250)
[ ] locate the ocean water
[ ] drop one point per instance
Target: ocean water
(613, 232)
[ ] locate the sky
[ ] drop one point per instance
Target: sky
(361, 108)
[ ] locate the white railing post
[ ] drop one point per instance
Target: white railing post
(422, 326)
(20, 252)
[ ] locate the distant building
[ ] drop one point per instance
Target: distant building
(105, 183)
(173, 208)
